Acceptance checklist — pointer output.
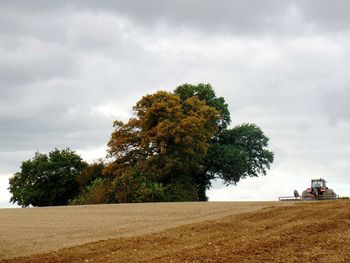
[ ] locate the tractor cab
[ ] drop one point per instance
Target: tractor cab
(318, 186)
(318, 183)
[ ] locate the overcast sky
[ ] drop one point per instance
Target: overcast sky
(68, 69)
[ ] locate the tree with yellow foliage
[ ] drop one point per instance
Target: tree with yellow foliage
(168, 139)
(177, 143)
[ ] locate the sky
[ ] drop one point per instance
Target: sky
(68, 69)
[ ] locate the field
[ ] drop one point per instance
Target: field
(179, 232)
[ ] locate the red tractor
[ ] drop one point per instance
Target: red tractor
(318, 191)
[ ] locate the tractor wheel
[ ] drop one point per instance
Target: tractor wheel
(306, 195)
(329, 194)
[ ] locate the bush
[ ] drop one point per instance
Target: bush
(99, 192)
(135, 187)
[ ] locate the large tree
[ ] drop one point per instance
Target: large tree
(47, 180)
(181, 140)
(168, 138)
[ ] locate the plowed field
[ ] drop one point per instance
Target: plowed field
(262, 232)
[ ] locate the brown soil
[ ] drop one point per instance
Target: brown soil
(306, 232)
(38, 230)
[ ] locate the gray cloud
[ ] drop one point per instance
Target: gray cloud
(326, 14)
(35, 62)
(239, 16)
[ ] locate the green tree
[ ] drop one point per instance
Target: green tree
(47, 180)
(238, 153)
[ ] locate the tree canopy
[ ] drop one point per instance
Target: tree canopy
(182, 141)
(238, 153)
(47, 180)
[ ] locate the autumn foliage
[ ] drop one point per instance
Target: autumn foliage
(166, 136)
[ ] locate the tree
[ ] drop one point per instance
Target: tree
(238, 153)
(179, 142)
(47, 180)
(168, 138)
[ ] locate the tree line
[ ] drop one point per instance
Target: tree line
(170, 150)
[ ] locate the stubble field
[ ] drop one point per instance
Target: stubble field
(179, 232)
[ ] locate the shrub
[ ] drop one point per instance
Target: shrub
(134, 187)
(99, 192)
